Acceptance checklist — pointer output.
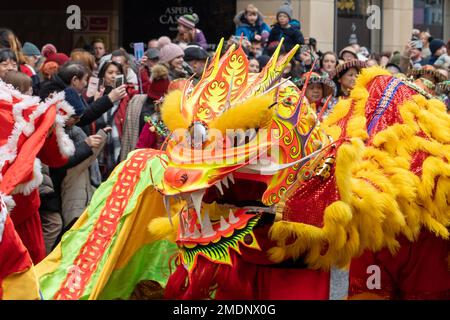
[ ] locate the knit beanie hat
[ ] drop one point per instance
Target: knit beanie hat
(164, 40)
(158, 88)
(285, 8)
(48, 49)
(435, 45)
(188, 20)
(170, 52)
(74, 99)
(59, 58)
(30, 49)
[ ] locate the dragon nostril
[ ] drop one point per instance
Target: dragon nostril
(184, 177)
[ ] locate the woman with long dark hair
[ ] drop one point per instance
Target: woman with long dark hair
(114, 117)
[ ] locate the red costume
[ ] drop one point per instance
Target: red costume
(29, 130)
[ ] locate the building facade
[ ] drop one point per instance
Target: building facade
(379, 25)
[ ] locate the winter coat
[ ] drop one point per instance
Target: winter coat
(76, 187)
(176, 74)
(82, 152)
(200, 39)
(291, 35)
(46, 192)
(134, 121)
(147, 138)
(243, 27)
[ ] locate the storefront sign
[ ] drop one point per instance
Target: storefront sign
(171, 15)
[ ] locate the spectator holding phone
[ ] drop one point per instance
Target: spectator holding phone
(149, 60)
(412, 55)
(86, 147)
(114, 117)
(74, 75)
(122, 57)
(307, 60)
(250, 23)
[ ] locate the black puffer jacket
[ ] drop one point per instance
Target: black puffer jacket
(291, 35)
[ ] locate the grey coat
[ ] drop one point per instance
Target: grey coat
(76, 187)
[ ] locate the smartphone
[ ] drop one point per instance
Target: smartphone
(138, 50)
(92, 86)
(304, 48)
(119, 81)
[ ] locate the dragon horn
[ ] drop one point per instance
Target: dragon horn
(286, 59)
(214, 64)
(302, 94)
(325, 106)
(271, 66)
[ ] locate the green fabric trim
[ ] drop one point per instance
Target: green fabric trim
(73, 240)
(151, 262)
(143, 183)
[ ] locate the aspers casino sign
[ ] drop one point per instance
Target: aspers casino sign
(171, 15)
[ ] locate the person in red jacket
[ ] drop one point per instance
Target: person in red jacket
(30, 132)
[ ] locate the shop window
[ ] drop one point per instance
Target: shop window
(359, 21)
(429, 16)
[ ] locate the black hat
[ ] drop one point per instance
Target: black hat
(195, 53)
(152, 53)
(344, 67)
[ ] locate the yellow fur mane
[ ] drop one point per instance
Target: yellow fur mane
(170, 111)
(380, 197)
(253, 113)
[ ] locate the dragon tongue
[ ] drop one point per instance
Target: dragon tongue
(197, 198)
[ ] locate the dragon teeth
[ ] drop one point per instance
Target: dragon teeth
(197, 198)
(225, 182)
(230, 176)
(196, 233)
(184, 230)
(232, 218)
(167, 206)
(219, 186)
(224, 225)
(207, 229)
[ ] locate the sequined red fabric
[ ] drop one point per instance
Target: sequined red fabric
(311, 200)
(386, 93)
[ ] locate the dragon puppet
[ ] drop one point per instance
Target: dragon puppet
(252, 196)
